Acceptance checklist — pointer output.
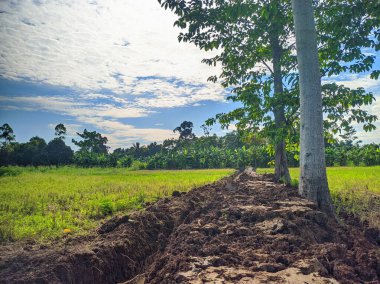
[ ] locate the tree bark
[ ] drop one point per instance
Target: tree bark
(281, 162)
(313, 180)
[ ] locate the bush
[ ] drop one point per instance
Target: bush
(138, 165)
(9, 171)
(106, 207)
(125, 162)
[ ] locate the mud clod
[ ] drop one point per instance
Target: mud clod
(112, 224)
(242, 229)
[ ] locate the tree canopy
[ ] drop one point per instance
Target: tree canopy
(256, 49)
(92, 142)
(60, 131)
(185, 130)
(7, 133)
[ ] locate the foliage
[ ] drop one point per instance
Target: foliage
(124, 162)
(31, 153)
(106, 207)
(244, 33)
(254, 44)
(7, 133)
(58, 152)
(185, 130)
(349, 154)
(93, 142)
(36, 152)
(60, 131)
(234, 150)
(138, 165)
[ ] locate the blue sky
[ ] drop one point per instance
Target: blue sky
(112, 66)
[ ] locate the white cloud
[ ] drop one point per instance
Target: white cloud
(121, 135)
(103, 45)
(102, 116)
(353, 81)
(71, 128)
(374, 136)
(72, 106)
(174, 93)
(128, 47)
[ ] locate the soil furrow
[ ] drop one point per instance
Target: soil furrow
(242, 229)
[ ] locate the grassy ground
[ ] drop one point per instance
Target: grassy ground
(353, 189)
(41, 203)
(346, 178)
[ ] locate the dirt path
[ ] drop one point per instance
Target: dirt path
(242, 229)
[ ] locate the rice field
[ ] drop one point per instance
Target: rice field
(355, 190)
(346, 178)
(46, 203)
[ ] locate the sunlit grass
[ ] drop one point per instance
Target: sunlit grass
(41, 203)
(353, 189)
(343, 178)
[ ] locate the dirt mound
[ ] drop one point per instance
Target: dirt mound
(242, 229)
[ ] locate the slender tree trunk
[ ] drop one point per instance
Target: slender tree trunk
(281, 162)
(313, 181)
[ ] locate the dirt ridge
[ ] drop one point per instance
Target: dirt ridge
(242, 229)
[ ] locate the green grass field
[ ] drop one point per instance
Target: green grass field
(41, 203)
(353, 189)
(346, 178)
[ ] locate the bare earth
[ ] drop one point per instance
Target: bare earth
(242, 229)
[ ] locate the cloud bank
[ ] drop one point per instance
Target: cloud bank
(121, 57)
(96, 45)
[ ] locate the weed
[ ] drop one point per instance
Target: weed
(294, 182)
(106, 207)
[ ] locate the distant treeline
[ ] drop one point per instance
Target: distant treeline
(186, 152)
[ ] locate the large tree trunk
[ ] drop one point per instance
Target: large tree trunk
(281, 172)
(313, 181)
(281, 162)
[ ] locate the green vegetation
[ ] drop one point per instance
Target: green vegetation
(233, 150)
(39, 203)
(257, 62)
(346, 178)
(355, 190)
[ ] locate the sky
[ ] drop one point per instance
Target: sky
(114, 66)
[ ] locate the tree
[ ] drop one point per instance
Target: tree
(92, 142)
(31, 153)
(58, 152)
(136, 150)
(185, 130)
(251, 36)
(60, 131)
(7, 133)
(255, 40)
(206, 130)
(313, 179)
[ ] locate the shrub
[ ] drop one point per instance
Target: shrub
(124, 162)
(106, 207)
(138, 165)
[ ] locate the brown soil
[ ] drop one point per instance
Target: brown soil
(242, 229)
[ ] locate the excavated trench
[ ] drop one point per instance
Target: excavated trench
(242, 229)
